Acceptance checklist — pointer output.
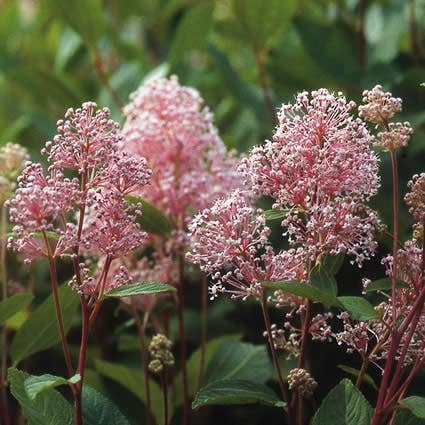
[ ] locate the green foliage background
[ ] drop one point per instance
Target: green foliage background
(59, 53)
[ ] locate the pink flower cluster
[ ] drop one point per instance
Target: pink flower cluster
(321, 168)
(167, 124)
(232, 235)
(55, 215)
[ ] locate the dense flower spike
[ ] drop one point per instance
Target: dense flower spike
(416, 197)
(321, 168)
(167, 124)
(379, 106)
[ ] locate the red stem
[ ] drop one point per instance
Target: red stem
(275, 359)
(55, 288)
(164, 385)
(141, 328)
(183, 357)
(204, 296)
(3, 376)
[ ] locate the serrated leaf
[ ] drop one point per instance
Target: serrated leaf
(344, 405)
(34, 385)
(235, 391)
(140, 288)
(323, 280)
(306, 291)
(333, 263)
(97, 409)
(384, 284)
(152, 219)
(239, 360)
(40, 331)
(12, 305)
(133, 380)
(416, 405)
(49, 408)
(359, 308)
(192, 31)
(276, 214)
(355, 372)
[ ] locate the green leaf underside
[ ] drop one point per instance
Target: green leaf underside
(416, 405)
(333, 263)
(323, 280)
(49, 408)
(306, 291)
(152, 219)
(359, 308)
(276, 214)
(344, 405)
(384, 284)
(405, 417)
(40, 331)
(97, 409)
(12, 305)
(141, 288)
(133, 380)
(34, 385)
(235, 391)
(239, 360)
(355, 372)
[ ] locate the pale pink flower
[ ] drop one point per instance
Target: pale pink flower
(232, 235)
(396, 135)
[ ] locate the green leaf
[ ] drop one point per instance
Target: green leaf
(133, 380)
(323, 280)
(49, 408)
(306, 291)
(384, 284)
(97, 409)
(344, 405)
(12, 305)
(416, 405)
(37, 384)
(333, 263)
(359, 308)
(192, 31)
(355, 372)
(235, 391)
(40, 331)
(276, 214)
(238, 88)
(141, 288)
(194, 364)
(275, 16)
(152, 220)
(405, 417)
(87, 18)
(239, 360)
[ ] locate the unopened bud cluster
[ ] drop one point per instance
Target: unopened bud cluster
(301, 381)
(160, 350)
(379, 107)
